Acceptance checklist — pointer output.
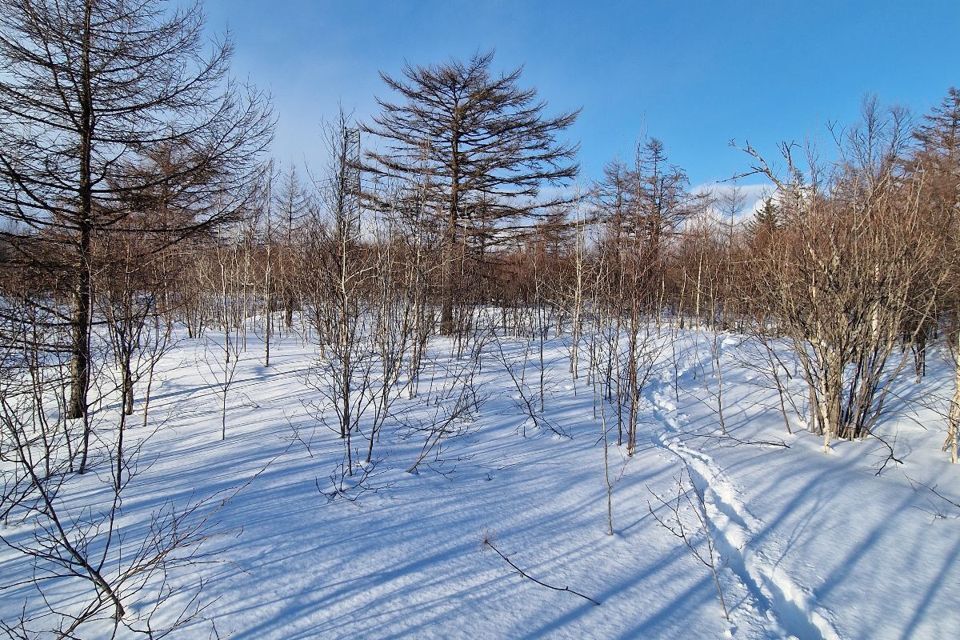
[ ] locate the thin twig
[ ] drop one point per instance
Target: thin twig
(540, 582)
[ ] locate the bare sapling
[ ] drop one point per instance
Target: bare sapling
(342, 308)
(393, 332)
(455, 400)
(685, 517)
(223, 356)
(607, 481)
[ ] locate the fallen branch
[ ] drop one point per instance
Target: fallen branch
(890, 453)
(526, 575)
(938, 511)
(738, 441)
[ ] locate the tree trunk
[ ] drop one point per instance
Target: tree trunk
(80, 347)
(450, 242)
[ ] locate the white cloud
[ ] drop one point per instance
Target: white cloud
(752, 195)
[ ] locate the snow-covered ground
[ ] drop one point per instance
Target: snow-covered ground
(811, 545)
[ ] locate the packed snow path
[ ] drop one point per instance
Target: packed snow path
(733, 528)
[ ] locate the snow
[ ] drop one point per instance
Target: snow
(811, 545)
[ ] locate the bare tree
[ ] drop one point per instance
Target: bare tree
(641, 208)
(104, 105)
(294, 209)
(849, 272)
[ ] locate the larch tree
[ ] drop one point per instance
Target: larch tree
(112, 114)
(486, 145)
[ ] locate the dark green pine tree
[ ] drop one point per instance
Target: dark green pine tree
(938, 155)
(766, 220)
(940, 131)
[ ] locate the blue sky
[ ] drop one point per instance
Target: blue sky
(695, 74)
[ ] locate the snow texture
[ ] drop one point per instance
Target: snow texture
(811, 545)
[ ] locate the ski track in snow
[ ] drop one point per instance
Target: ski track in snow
(776, 595)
